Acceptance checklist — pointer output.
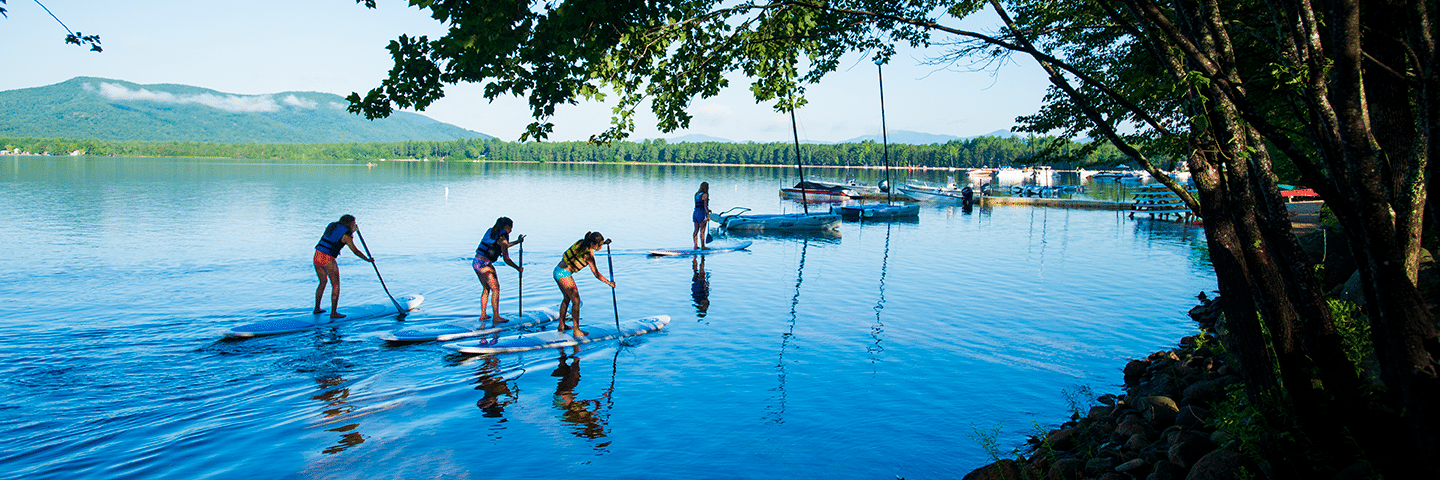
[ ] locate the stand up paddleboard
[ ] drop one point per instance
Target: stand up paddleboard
(715, 249)
(554, 339)
(445, 332)
(308, 321)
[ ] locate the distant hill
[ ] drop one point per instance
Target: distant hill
(99, 108)
(697, 138)
(921, 138)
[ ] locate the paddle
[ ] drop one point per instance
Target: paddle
(521, 282)
(613, 302)
(377, 274)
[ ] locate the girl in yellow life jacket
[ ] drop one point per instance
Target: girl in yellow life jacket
(576, 257)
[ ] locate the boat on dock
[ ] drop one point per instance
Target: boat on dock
(816, 192)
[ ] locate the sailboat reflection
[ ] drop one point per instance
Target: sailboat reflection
(588, 417)
(777, 411)
(877, 330)
(700, 286)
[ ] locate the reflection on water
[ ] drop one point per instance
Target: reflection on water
(878, 329)
(498, 391)
(699, 285)
(587, 416)
(777, 409)
(337, 404)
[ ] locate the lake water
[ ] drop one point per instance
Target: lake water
(875, 354)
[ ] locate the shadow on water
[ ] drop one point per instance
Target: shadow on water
(777, 411)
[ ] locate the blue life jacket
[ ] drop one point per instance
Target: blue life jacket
(490, 245)
(699, 202)
(330, 242)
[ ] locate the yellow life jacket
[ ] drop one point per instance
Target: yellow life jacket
(576, 257)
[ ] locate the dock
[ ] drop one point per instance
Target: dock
(1082, 203)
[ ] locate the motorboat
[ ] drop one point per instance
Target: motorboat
(815, 192)
(736, 219)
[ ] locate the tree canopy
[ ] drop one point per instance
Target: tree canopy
(1345, 93)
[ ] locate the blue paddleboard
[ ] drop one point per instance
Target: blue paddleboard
(553, 339)
(715, 249)
(448, 331)
(308, 321)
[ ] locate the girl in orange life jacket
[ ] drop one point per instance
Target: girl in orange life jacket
(336, 236)
(576, 257)
(493, 246)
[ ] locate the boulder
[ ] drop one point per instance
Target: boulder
(1097, 466)
(1223, 465)
(1192, 417)
(1204, 393)
(1062, 439)
(1189, 447)
(1133, 425)
(1067, 469)
(1159, 410)
(1005, 469)
(1166, 471)
(1134, 468)
(1134, 369)
(1351, 291)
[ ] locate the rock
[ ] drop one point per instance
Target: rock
(1067, 469)
(1223, 465)
(1158, 410)
(1133, 425)
(1189, 447)
(1166, 471)
(1099, 411)
(1097, 466)
(1134, 369)
(1358, 471)
(1137, 442)
(1204, 393)
(1192, 417)
(1351, 291)
(1113, 476)
(1062, 439)
(1107, 399)
(1005, 469)
(1136, 467)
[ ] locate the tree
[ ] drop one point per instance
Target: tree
(71, 37)
(1346, 91)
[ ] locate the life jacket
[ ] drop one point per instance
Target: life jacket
(330, 242)
(574, 257)
(490, 245)
(699, 202)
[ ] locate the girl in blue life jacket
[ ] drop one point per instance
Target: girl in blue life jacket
(701, 216)
(494, 246)
(337, 235)
(579, 255)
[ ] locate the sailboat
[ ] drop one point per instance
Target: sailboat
(888, 209)
(738, 220)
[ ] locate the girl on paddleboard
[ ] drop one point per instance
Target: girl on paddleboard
(336, 236)
(701, 217)
(576, 257)
(493, 246)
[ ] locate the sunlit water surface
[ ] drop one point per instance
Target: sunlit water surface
(876, 354)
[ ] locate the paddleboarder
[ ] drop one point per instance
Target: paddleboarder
(701, 217)
(494, 245)
(337, 235)
(579, 255)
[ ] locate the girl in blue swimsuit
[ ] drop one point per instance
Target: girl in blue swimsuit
(576, 257)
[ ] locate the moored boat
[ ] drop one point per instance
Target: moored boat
(793, 222)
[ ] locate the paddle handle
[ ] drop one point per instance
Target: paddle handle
(398, 309)
(521, 283)
(613, 303)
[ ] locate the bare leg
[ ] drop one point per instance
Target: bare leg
(697, 239)
(335, 291)
(320, 290)
(572, 299)
(491, 294)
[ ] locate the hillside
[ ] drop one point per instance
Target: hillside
(104, 109)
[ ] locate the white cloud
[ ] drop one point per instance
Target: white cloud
(229, 103)
(300, 102)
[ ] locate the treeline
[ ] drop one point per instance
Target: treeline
(974, 152)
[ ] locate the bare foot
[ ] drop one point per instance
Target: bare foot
(484, 317)
(500, 320)
(580, 333)
(337, 315)
(319, 311)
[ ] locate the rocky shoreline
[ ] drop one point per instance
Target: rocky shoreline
(1163, 427)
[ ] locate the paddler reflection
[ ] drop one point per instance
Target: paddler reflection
(584, 414)
(700, 286)
(337, 408)
(498, 393)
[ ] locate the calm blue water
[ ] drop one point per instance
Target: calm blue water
(872, 355)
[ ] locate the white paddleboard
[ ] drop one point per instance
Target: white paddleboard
(308, 321)
(553, 339)
(714, 249)
(448, 331)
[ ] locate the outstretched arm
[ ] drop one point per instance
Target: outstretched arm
(505, 252)
(350, 240)
(596, 270)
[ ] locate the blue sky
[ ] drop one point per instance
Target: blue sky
(335, 46)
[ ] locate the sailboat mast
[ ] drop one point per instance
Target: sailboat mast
(884, 133)
(804, 203)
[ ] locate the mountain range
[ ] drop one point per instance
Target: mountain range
(106, 109)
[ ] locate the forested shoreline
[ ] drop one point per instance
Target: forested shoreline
(973, 152)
